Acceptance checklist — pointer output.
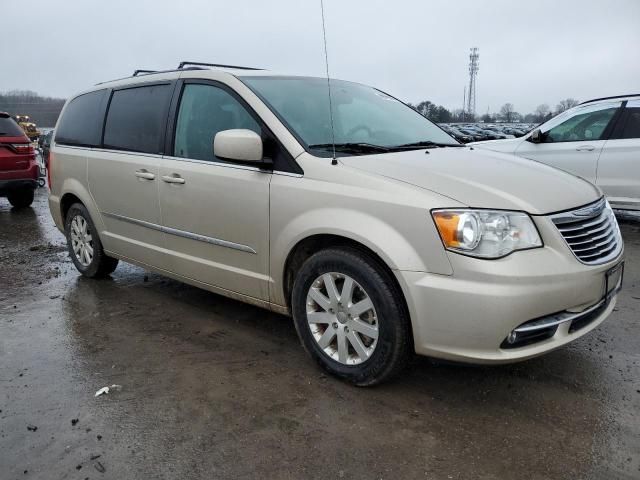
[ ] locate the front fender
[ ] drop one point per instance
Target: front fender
(370, 231)
(373, 232)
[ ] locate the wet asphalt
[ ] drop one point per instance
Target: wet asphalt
(213, 388)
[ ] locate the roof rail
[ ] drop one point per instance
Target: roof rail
(611, 98)
(138, 72)
(201, 64)
(182, 66)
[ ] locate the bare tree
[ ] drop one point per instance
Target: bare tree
(426, 108)
(542, 112)
(507, 112)
(566, 104)
(435, 113)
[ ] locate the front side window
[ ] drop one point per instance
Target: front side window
(81, 122)
(361, 115)
(136, 119)
(582, 124)
(204, 111)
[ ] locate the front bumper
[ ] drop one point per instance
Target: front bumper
(468, 316)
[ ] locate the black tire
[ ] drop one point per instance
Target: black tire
(21, 198)
(101, 265)
(394, 344)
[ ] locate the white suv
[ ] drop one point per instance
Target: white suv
(378, 232)
(598, 140)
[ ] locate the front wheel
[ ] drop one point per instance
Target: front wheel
(350, 316)
(85, 247)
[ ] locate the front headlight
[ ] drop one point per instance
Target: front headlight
(486, 233)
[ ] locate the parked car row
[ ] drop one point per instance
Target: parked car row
(474, 132)
(378, 232)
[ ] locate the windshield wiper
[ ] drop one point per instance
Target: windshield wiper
(425, 144)
(353, 147)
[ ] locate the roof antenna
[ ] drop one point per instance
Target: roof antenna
(334, 161)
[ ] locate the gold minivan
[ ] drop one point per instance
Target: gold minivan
(342, 207)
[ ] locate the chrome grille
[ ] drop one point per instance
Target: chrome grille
(591, 232)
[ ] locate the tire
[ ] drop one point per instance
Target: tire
(84, 245)
(41, 182)
(21, 198)
(390, 346)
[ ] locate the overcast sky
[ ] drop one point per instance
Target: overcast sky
(530, 52)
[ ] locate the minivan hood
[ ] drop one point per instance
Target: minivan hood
(482, 178)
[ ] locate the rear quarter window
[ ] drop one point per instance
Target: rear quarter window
(631, 125)
(81, 121)
(137, 117)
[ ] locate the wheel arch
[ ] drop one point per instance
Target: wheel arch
(66, 201)
(309, 245)
(75, 192)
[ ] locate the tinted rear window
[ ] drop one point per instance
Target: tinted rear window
(136, 119)
(81, 122)
(9, 128)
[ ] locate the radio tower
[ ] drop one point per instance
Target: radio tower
(474, 66)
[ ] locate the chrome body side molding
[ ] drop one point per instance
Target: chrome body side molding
(182, 233)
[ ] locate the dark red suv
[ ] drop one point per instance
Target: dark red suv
(18, 167)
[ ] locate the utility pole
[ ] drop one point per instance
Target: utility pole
(464, 101)
(474, 66)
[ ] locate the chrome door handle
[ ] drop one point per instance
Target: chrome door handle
(585, 148)
(144, 174)
(173, 179)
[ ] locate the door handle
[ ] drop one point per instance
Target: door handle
(585, 148)
(144, 174)
(175, 178)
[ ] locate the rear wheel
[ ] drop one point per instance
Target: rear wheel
(21, 198)
(351, 317)
(85, 247)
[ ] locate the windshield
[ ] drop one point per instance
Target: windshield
(362, 116)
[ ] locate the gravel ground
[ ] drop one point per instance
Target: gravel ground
(212, 388)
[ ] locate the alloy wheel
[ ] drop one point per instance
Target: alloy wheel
(81, 240)
(342, 318)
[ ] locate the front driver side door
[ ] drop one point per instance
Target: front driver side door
(573, 141)
(215, 213)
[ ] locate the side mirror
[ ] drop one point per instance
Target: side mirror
(536, 136)
(238, 144)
